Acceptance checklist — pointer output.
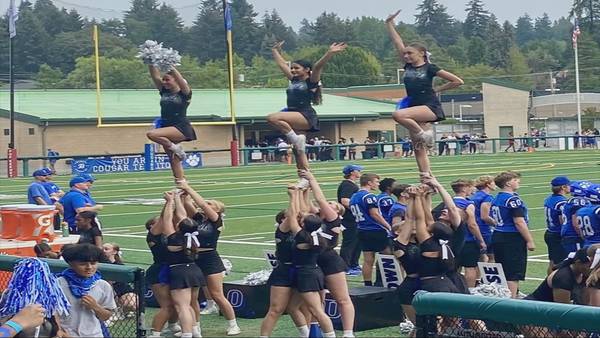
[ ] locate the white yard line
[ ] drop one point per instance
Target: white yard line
(272, 243)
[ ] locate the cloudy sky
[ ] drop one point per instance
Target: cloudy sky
(293, 11)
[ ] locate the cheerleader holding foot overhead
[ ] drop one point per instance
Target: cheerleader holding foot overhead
(303, 91)
(333, 266)
(421, 106)
(173, 127)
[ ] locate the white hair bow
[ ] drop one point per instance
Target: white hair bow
(192, 236)
(315, 236)
(596, 259)
(571, 255)
(445, 248)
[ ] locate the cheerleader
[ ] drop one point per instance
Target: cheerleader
(185, 277)
(303, 91)
(157, 277)
(173, 127)
(407, 251)
(593, 280)
(422, 105)
(333, 266)
(208, 214)
(280, 281)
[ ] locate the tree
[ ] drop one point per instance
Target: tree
(474, 75)
(115, 73)
(355, 66)
(49, 16)
(524, 31)
(146, 20)
(434, 20)
(246, 35)
(207, 34)
(476, 51)
(543, 27)
(48, 77)
(327, 28)
(274, 29)
(371, 35)
(499, 41)
(517, 66)
(476, 21)
(32, 41)
(588, 11)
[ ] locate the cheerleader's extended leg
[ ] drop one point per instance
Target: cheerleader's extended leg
(169, 138)
(287, 123)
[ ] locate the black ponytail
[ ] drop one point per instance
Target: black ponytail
(573, 257)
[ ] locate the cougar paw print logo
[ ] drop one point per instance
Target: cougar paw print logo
(193, 160)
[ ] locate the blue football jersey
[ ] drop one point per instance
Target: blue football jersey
(569, 209)
(462, 203)
(397, 209)
(479, 198)
(360, 204)
(553, 209)
(385, 203)
(505, 207)
(588, 220)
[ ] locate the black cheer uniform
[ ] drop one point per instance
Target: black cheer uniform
(563, 278)
(282, 273)
(209, 261)
(300, 94)
(307, 276)
(173, 112)
(433, 270)
(410, 260)
(158, 272)
(183, 272)
(329, 261)
(419, 87)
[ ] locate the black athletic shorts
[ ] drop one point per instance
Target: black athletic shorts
(281, 276)
(373, 241)
(556, 252)
(406, 290)
(331, 263)
(152, 274)
(510, 249)
(310, 115)
(185, 275)
(438, 284)
(307, 278)
(469, 256)
(210, 262)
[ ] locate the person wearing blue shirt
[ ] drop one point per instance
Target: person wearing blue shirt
(511, 238)
(55, 194)
(77, 200)
(373, 229)
(385, 199)
(571, 236)
(553, 209)
(52, 158)
(482, 199)
(588, 218)
(474, 244)
(397, 212)
(36, 193)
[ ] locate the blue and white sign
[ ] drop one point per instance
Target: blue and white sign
(115, 164)
(391, 271)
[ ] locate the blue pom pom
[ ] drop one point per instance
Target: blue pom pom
(404, 103)
(158, 122)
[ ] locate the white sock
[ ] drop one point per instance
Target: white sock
(329, 334)
(303, 330)
(210, 302)
(187, 335)
(348, 333)
(292, 136)
(197, 330)
(232, 322)
(156, 333)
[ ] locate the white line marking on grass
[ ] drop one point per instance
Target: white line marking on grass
(116, 231)
(250, 238)
(224, 256)
(535, 260)
(220, 241)
(538, 256)
(535, 278)
(252, 234)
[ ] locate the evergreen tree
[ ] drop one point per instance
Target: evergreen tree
(543, 27)
(524, 31)
(588, 11)
(434, 20)
(31, 42)
(207, 34)
(328, 28)
(246, 31)
(371, 35)
(477, 20)
(498, 42)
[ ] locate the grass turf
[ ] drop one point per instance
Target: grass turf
(254, 194)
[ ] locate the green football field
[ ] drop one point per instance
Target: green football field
(254, 194)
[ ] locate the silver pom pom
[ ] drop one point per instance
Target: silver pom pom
(228, 265)
(257, 278)
(153, 53)
(491, 290)
(406, 327)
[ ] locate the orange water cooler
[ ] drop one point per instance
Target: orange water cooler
(27, 222)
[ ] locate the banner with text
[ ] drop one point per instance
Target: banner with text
(116, 164)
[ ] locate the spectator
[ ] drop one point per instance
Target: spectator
(43, 250)
(511, 142)
(26, 319)
(125, 294)
(352, 150)
(78, 200)
(282, 150)
(342, 148)
(443, 144)
(92, 298)
(473, 144)
(576, 140)
(482, 140)
(406, 147)
(52, 158)
(36, 193)
(451, 147)
(350, 250)
(55, 193)
(89, 233)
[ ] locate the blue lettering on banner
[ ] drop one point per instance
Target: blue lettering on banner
(389, 271)
(111, 164)
(331, 308)
(235, 298)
